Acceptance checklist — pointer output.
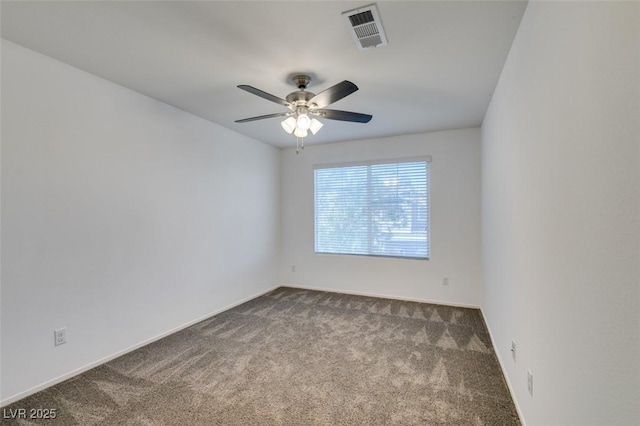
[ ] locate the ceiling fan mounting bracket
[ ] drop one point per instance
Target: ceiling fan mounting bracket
(301, 81)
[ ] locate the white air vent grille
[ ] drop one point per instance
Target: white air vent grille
(366, 27)
(367, 30)
(361, 18)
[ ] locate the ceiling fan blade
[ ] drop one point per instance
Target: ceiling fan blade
(333, 94)
(262, 117)
(334, 114)
(263, 95)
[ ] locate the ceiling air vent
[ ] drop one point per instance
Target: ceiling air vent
(366, 27)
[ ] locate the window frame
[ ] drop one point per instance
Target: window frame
(417, 159)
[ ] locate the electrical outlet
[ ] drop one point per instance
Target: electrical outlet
(445, 281)
(513, 349)
(530, 382)
(60, 336)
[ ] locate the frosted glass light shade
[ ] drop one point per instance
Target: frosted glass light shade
(289, 125)
(301, 133)
(315, 126)
(303, 122)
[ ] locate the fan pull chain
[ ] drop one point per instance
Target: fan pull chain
(299, 144)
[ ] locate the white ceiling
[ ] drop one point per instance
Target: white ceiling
(438, 71)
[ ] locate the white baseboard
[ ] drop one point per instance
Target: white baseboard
(504, 370)
(383, 296)
(101, 361)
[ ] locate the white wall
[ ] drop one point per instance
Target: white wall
(123, 218)
(455, 222)
(561, 213)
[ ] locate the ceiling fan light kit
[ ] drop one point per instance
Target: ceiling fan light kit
(304, 106)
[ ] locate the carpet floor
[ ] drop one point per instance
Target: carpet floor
(298, 357)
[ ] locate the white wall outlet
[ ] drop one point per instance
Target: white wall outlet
(530, 382)
(445, 281)
(60, 336)
(293, 268)
(513, 349)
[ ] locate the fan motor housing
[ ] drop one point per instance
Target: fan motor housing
(299, 97)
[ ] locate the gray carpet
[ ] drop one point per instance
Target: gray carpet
(298, 357)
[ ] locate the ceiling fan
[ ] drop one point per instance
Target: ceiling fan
(304, 106)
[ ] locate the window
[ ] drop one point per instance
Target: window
(373, 209)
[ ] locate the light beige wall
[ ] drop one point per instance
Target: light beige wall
(123, 218)
(455, 221)
(561, 213)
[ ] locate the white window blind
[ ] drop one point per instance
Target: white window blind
(374, 209)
